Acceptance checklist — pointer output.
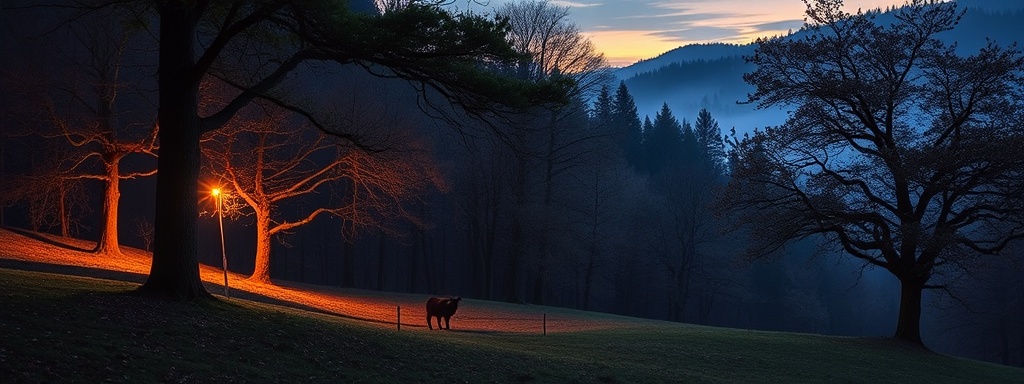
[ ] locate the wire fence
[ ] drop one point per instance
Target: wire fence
(514, 324)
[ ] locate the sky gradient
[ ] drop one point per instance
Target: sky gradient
(631, 30)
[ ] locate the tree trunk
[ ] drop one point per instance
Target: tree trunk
(908, 326)
(512, 293)
(1020, 347)
(175, 269)
(428, 265)
(588, 279)
(65, 218)
(1004, 341)
(3, 173)
(108, 243)
(261, 271)
(327, 256)
(705, 302)
(539, 282)
(489, 251)
(380, 261)
(412, 267)
(349, 264)
(476, 255)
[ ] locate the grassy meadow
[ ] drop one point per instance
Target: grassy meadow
(59, 328)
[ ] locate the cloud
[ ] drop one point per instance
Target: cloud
(778, 26)
(700, 33)
(634, 21)
(644, 28)
(573, 4)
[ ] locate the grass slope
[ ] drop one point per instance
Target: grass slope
(57, 328)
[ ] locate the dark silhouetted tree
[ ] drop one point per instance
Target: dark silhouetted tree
(603, 106)
(626, 127)
(902, 152)
(709, 142)
(663, 144)
(555, 48)
(553, 44)
(376, 189)
(690, 155)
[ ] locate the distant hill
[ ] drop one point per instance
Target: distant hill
(710, 76)
(685, 53)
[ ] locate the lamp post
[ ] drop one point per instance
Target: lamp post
(223, 253)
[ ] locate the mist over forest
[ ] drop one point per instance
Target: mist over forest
(612, 201)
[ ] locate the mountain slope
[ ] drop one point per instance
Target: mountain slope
(686, 53)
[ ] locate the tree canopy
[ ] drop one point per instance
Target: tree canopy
(900, 150)
(459, 62)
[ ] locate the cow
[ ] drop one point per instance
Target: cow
(442, 307)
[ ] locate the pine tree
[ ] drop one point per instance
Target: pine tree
(603, 108)
(664, 142)
(645, 159)
(690, 151)
(709, 139)
(626, 122)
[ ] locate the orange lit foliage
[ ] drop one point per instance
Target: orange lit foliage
(265, 157)
(379, 183)
(82, 105)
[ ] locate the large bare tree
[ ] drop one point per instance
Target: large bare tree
(269, 160)
(83, 85)
(554, 44)
(449, 57)
(264, 161)
(902, 152)
(55, 196)
(552, 47)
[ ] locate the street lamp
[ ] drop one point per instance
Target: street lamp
(223, 253)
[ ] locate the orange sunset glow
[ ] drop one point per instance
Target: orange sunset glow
(629, 31)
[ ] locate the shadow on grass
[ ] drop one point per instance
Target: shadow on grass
(246, 295)
(481, 332)
(210, 287)
(73, 270)
(47, 240)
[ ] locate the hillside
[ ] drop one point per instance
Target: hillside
(60, 328)
(31, 251)
(686, 53)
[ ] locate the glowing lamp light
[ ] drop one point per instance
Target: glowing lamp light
(223, 253)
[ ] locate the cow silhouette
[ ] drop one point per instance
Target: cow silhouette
(442, 308)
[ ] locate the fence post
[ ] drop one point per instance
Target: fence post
(399, 315)
(545, 324)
